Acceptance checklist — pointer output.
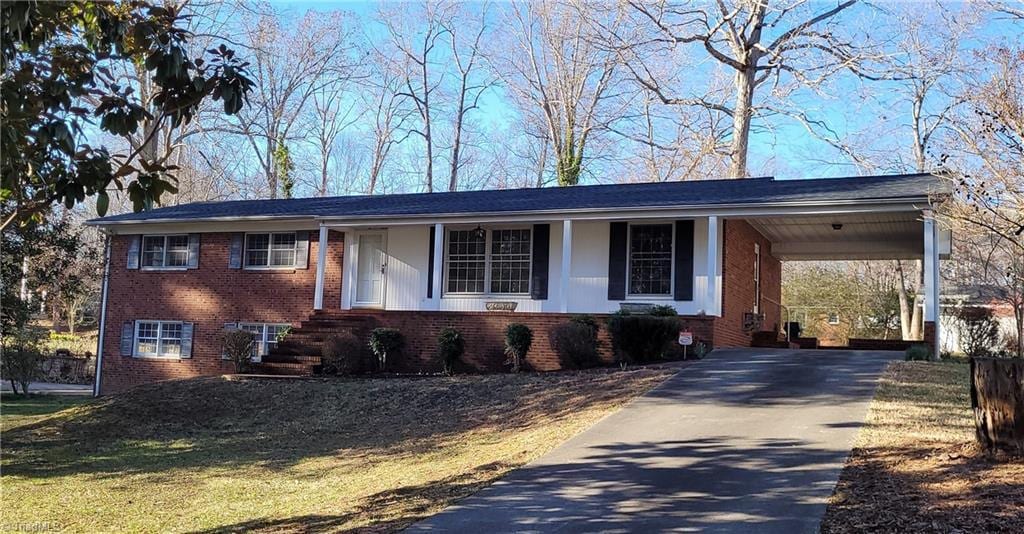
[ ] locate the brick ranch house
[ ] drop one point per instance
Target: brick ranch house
(177, 276)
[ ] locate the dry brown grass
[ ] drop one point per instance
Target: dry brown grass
(219, 455)
(914, 468)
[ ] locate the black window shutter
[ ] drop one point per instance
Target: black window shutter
(193, 251)
(133, 251)
(127, 338)
(617, 234)
(235, 253)
(684, 260)
(430, 263)
(302, 249)
(539, 269)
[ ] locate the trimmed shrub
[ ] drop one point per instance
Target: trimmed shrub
(238, 348)
(586, 320)
(663, 310)
(918, 353)
(342, 354)
(576, 344)
(641, 338)
(450, 347)
(518, 339)
(385, 341)
(21, 364)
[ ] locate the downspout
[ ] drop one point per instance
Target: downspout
(103, 314)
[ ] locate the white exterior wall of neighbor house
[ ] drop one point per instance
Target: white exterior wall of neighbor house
(408, 249)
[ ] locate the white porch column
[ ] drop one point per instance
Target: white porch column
(437, 276)
(563, 286)
(931, 277)
(348, 279)
(712, 303)
(321, 260)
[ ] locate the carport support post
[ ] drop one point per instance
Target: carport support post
(711, 300)
(931, 280)
(321, 259)
(563, 287)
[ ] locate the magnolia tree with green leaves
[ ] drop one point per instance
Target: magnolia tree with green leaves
(59, 87)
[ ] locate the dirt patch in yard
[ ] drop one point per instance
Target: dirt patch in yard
(915, 468)
(221, 455)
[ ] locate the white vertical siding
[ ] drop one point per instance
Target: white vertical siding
(409, 248)
(589, 277)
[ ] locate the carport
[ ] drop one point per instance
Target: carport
(882, 230)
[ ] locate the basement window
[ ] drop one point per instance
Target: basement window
(264, 336)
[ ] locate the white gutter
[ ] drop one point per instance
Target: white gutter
(103, 315)
(417, 218)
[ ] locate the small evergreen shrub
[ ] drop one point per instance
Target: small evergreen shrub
(342, 354)
(918, 353)
(385, 341)
(450, 347)
(518, 339)
(641, 338)
(238, 348)
(576, 344)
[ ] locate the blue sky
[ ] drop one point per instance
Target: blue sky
(782, 147)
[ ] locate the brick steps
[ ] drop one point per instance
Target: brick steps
(299, 352)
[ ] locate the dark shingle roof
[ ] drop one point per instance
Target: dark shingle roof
(597, 197)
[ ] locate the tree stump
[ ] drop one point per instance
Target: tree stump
(997, 396)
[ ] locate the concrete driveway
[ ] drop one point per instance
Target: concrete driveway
(748, 440)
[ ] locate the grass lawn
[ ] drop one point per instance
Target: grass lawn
(915, 468)
(222, 455)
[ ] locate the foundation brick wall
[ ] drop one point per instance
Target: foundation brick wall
(208, 296)
(738, 288)
(484, 333)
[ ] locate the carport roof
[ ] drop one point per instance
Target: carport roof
(704, 193)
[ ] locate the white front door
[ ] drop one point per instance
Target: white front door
(370, 276)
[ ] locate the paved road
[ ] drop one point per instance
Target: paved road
(749, 440)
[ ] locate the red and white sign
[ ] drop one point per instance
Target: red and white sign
(685, 338)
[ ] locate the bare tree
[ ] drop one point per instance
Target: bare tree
(471, 80)
(332, 114)
(290, 65)
(382, 97)
(559, 74)
(416, 36)
(758, 41)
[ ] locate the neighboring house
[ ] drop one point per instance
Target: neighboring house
(959, 297)
(478, 261)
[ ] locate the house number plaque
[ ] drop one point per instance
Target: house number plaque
(502, 306)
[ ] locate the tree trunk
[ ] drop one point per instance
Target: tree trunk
(997, 397)
(453, 178)
(741, 116)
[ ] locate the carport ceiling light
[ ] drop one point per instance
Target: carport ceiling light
(837, 226)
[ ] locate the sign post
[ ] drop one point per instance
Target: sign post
(685, 339)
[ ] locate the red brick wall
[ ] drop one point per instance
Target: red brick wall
(208, 296)
(738, 284)
(484, 333)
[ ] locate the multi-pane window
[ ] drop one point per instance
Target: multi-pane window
(510, 261)
(491, 262)
(467, 261)
(270, 250)
(158, 338)
(650, 259)
(264, 336)
(165, 251)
